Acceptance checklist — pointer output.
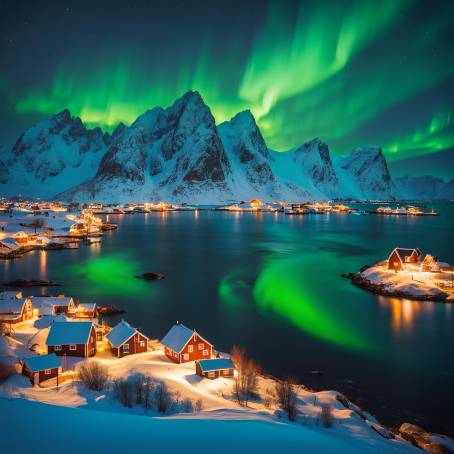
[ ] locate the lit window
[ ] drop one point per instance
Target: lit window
(201, 346)
(57, 348)
(142, 343)
(73, 347)
(190, 348)
(47, 372)
(205, 353)
(185, 357)
(126, 347)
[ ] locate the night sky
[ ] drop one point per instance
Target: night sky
(350, 72)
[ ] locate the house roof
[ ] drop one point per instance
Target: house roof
(12, 306)
(42, 362)
(9, 242)
(65, 333)
(210, 365)
(121, 333)
(88, 306)
(406, 252)
(178, 336)
(46, 304)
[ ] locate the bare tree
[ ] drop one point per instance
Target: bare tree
(246, 380)
(94, 375)
(198, 405)
(162, 397)
(326, 417)
(37, 224)
(124, 392)
(148, 387)
(287, 398)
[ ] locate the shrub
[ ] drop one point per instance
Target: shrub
(326, 416)
(198, 405)
(187, 406)
(94, 375)
(6, 370)
(162, 397)
(124, 392)
(286, 397)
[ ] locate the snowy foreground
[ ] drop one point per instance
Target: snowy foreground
(410, 283)
(74, 430)
(99, 420)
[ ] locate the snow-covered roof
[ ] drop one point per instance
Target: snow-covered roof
(87, 306)
(42, 362)
(209, 365)
(46, 304)
(178, 336)
(11, 295)
(12, 306)
(9, 242)
(403, 252)
(121, 333)
(65, 333)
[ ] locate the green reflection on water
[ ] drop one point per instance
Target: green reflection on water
(112, 274)
(290, 288)
(231, 291)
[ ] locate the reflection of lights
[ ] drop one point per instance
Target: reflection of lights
(43, 263)
(404, 312)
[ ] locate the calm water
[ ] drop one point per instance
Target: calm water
(271, 283)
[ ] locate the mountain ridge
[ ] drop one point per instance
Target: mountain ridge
(179, 154)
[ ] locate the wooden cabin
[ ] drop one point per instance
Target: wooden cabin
(72, 339)
(400, 256)
(53, 305)
(16, 310)
(21, 237)
(182, 344)
(429, 263)
(86, 310)
(126, 340)
(41, 368)
(215, 368)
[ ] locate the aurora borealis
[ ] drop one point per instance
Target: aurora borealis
(349, 72)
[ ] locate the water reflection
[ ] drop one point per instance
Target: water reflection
(43, 264)
(405, 313)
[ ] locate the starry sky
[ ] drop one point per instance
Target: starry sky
(351, 72)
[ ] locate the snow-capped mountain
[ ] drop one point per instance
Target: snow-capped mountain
(178, 154)
(171, 154)
(52, 156)
(364, 174)
(424, 188)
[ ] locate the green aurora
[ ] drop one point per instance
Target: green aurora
(334, 70)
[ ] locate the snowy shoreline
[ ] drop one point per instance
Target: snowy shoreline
(376, 279)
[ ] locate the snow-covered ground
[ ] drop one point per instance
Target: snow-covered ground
(411, 281)
(222, 425)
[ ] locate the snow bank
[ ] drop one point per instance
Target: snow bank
(113, 432)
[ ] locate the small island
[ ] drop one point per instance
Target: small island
(408, 273)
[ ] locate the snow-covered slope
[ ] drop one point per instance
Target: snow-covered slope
(424, 188)
(364, 175)
(52, 156)
(118, 433)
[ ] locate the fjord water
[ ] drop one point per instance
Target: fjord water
(272, 284)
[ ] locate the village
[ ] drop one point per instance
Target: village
(39, 225)
(408, 273)
(58, 352)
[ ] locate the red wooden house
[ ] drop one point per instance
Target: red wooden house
(215, 368)
(400, 256)
(41, 368)
(72, 339)
(126, 340)
(16, 310)
(182, 344)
